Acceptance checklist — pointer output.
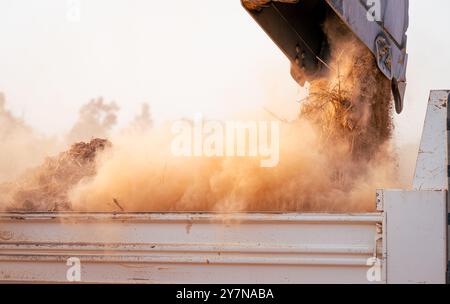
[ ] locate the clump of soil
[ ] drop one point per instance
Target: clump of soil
(45, 188)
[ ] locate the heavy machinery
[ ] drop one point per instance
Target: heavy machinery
(296, 26)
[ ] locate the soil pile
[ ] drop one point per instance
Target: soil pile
(45, 188)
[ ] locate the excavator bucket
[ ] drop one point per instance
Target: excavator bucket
(296, 26)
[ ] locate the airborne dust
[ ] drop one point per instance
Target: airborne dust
(332, 158)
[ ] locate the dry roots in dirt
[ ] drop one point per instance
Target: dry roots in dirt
(352, 104)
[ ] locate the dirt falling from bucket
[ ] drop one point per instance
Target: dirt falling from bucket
(351, 104)
(332, 159)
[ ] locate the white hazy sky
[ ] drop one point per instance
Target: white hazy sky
(182, 57)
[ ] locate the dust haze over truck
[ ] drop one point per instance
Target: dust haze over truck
(296, 27)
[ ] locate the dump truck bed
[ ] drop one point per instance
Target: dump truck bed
(404, 243)
(188, 248)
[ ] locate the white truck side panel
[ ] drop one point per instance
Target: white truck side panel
(432, 168)
(188, 248)
(416, 236)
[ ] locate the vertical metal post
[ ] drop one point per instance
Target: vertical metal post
(433, 167)
(448, 196)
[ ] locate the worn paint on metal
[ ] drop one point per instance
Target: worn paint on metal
(241, 248)
(432, 163)
(416, 235)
